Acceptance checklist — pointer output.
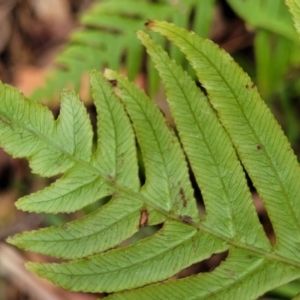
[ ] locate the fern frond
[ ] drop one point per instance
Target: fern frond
(109, 35)
(217, 163)
(218, 133)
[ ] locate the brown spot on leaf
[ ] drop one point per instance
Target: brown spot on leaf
(144, 218)
(182, 196)
(259, 147)
(231, 273)
(65, 227)
(111, 178)
(6, 122)
(149, 24)
(113, 82)
(250, 257)
(186, 219)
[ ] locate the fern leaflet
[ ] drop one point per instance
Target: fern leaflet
(109, 35)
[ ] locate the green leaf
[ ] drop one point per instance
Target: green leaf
(167, 180)
(246, 278)
(218, 132)
(216, 164)
(258, 139)
(116, 152)
(85, 180)
(99, 231)
(147, 261)
(77, 188)
(28, 129)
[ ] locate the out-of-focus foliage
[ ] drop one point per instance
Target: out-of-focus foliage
(277, 57)
(108, 39)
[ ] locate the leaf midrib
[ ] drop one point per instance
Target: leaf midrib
(207, 147)
(89, 235)
(166, 170)
(114, 129)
